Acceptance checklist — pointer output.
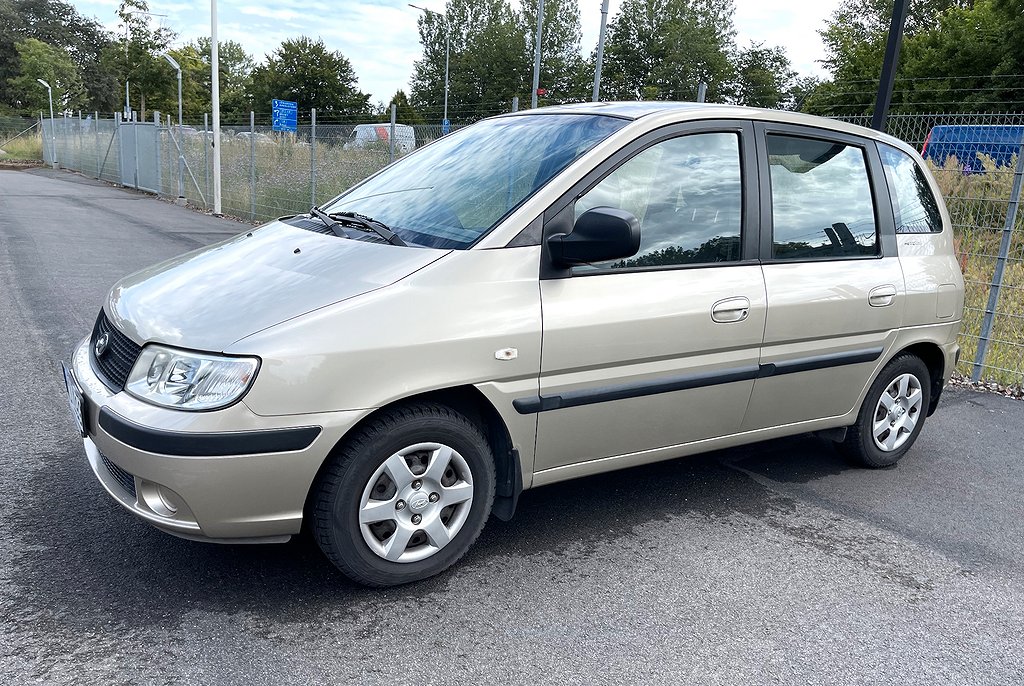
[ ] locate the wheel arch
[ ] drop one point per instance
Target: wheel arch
(933, 357)
(474, 405)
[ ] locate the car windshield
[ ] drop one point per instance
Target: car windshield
(452, 192)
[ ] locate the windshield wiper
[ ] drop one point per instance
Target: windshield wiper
(367, 224)
(334, 226)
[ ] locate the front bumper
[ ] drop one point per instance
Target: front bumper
(227, 475)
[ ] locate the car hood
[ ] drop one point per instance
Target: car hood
(210, 298)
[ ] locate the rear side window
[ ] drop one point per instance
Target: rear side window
(913, 203)
(821, 200)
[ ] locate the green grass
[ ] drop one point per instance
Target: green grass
(978, 204)
(27, 148)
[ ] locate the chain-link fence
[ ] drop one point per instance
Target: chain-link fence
(20, 139)
(267, 174)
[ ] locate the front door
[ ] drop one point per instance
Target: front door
(661, 348)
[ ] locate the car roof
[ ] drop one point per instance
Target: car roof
(683, 111)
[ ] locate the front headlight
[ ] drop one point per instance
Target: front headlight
(190, 381)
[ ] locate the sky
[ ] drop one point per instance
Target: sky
(379, 37)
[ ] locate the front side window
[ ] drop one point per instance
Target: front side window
(821, 200)
(687, 194)
(913, 203)
(452, 192)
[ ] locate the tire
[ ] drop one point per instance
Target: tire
(383, 524)
(892, 415)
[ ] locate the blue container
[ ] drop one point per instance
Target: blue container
(967, 141)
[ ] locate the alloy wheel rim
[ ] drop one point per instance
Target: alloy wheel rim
(897, 413)
(416, 502)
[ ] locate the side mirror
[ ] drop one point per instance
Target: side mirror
(600, 234)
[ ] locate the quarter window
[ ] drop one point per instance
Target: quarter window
(821, 200)
(913, 204)
(687, 194)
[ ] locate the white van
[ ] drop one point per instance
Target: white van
(365, 135)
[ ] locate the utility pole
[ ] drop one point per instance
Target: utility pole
(892, 59)
(536, 54)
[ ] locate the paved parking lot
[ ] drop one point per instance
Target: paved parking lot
(771, 564)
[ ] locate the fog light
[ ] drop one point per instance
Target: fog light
(169, 499)
(161, 500)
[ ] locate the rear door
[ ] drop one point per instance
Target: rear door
(834, 283)
(661, 348)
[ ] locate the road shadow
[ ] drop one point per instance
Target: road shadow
(87, 563)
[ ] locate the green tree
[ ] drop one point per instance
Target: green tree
(58, 24)
(236, 66)
(305, 71)
(135, 58)
(763, 77)
(37, 60)
(490, 61)
(561, 65)
(404, 112)
(855, 38)
(662, 49)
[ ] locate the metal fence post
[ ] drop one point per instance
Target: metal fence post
(64, 140)
(997, 275)
(180, 144)
(79, 159)
(96, 140)
(120, 147)
(135, 146)
(157, 138)
(702, 91)
(206, 152)
(42, 129)
(252, 165)
(391, 135)
(312, 158)
(515, 103)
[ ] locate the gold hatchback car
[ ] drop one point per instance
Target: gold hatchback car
(537, 297)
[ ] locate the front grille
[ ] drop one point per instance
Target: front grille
(117, 360)
(122, 477)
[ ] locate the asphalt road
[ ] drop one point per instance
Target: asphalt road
(771, 564)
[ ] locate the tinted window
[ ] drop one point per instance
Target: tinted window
(821, 199)
(912, 201)
(686, 192)
(450, 193)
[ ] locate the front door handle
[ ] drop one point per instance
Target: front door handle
(730, 310)
(882, 296)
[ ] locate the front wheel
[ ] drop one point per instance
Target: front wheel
(406, 496)
(892, 415)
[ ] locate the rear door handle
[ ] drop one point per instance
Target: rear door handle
(882, 296)
(730, 310)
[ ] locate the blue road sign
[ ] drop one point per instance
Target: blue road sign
(446, 127)
(285, 115)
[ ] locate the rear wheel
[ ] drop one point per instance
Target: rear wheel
(406, 496)
(892, 415)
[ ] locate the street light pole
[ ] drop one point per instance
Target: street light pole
(181, 153)
(447, 52)
(53, 130)
(600, 51)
